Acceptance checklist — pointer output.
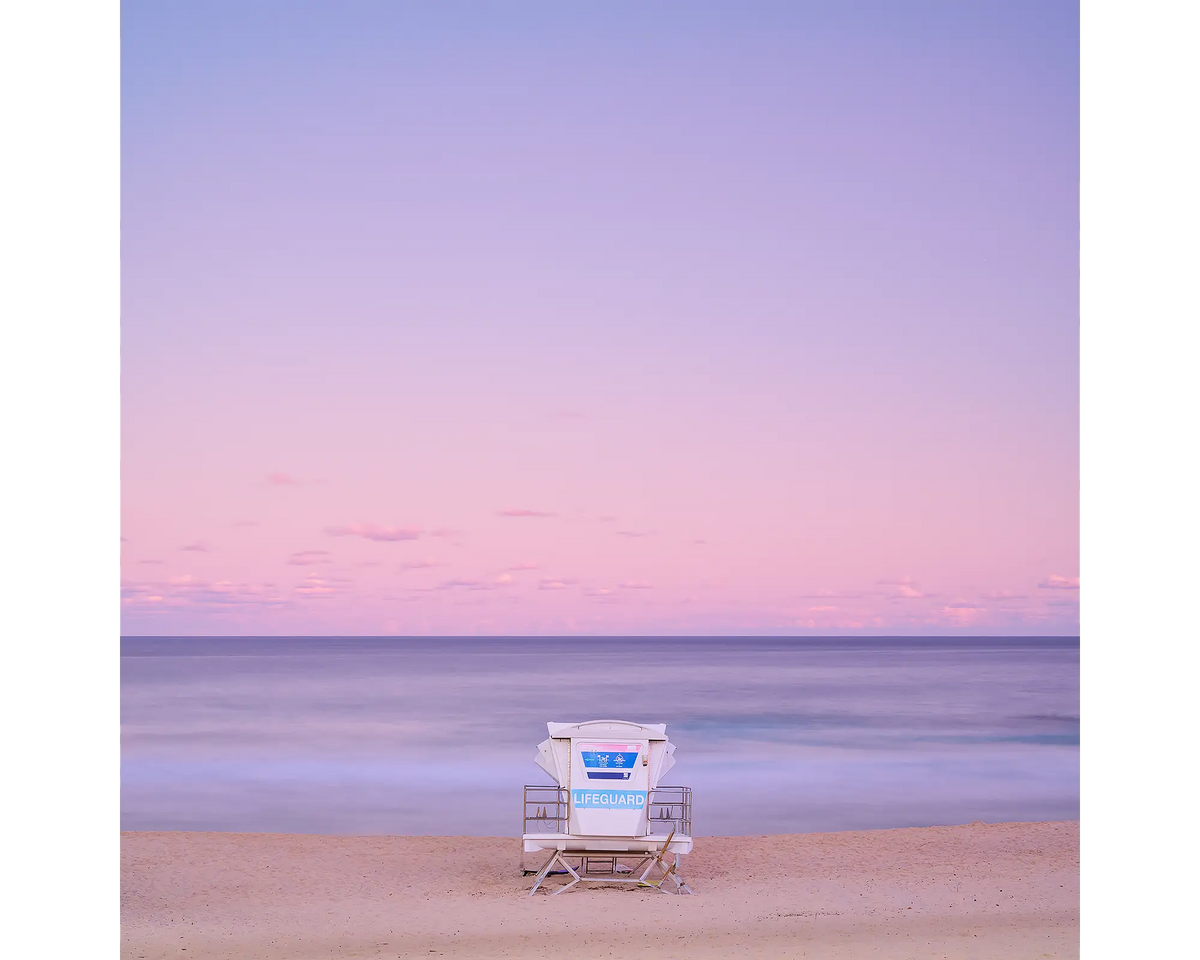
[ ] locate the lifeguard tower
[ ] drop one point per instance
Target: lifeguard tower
(607, 819)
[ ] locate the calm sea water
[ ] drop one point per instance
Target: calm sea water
(436, 736)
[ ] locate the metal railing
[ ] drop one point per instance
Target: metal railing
(670, 809)
(547, 809)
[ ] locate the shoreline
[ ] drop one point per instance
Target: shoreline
(981, 890)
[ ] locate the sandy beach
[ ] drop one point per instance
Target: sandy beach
(976, 891)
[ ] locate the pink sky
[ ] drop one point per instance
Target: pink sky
(765, 325)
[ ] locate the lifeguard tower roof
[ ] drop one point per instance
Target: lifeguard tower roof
(656, 752)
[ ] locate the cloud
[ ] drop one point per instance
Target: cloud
(321, 588)
(187, 591)
(635, 585)
(523, 566)
(145, 598)
(306, 558)
(150, 561)
(409, 597)
(632, 533)
(198, 547)
(553, 583)
(961, 613)
(828, 595)
(905, 589)
(517, 512)
(1055, 582)
(369, 531)
(124, 539)
(282, 480)
(1004, 595)
(603, 594)
(1063, 602)
(462, 582)
(827, 617)
(419, 564)
(227, 588)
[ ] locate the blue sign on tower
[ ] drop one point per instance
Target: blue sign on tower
(608, 765)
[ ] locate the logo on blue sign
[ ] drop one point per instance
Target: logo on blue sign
(608, 765)
(609, 799)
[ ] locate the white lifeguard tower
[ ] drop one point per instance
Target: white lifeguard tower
(607, 810)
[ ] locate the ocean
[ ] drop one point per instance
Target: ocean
(437, 735)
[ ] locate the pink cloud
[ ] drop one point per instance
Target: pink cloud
(369, 531)
(187, 591)
(419, 564)
(896, 582)
(320, 588)
(961, 614)
(635, 585)
(150, 561)
(198, 547)
(632, 533)
(523, 566)
(1055, 582)
(133, 597)
(1004, 595)
(905, 592)
(406, 597)
(826, 617)
(282, 480)
(517, 512)
(148, 599)
(552, 583)
(306, 558)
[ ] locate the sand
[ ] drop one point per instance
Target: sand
(979, 891)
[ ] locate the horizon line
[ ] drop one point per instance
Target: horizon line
(592, 636)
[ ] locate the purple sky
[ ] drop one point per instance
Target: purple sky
(526, 318)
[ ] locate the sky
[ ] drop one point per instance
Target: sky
(552, 319)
